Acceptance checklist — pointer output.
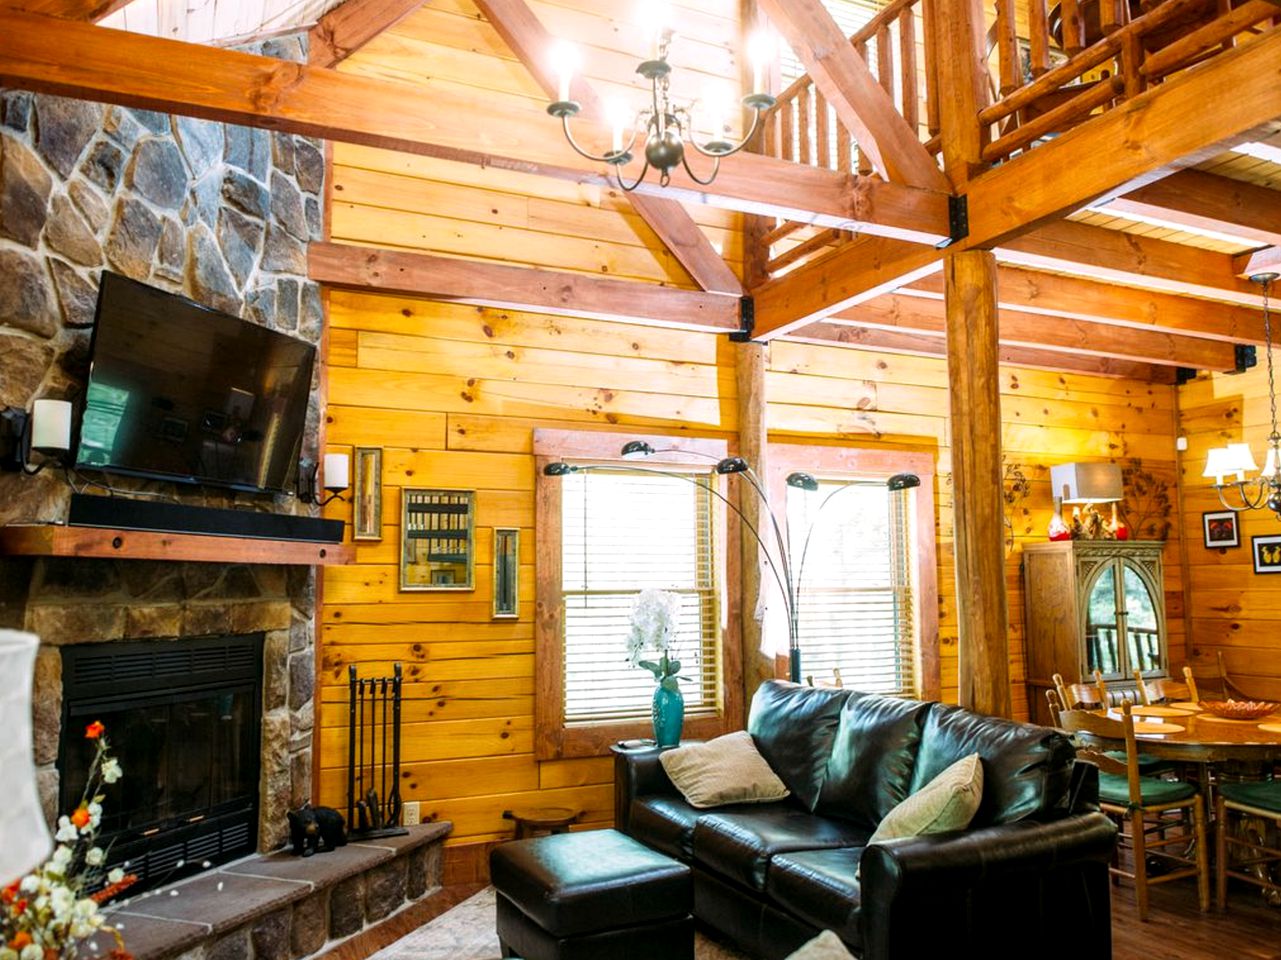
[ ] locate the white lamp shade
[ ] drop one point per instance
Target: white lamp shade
(1217, 463)
(337, 471)
(1087, 482)
(1270, 465)
(51, 425)
(1241, 459)
(24, 836)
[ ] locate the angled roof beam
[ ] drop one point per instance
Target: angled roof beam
(849, 275)
(68, 9)
(520, 288)
(1235, 97)
(79, 60)
(1267, 260)
(352, 24)
(1196, 200)
(530, 41)
(1057, 295)
(927, 345)
(861, 103)
(1020, 329)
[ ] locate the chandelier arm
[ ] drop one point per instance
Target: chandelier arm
(716, 166)
(618, 175)
(583, 153)
(756, 121)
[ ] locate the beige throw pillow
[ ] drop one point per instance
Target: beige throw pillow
(728, 769)
(826, 946)
(948, 802)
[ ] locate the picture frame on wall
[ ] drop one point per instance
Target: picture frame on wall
(367, 495)
(1267, 553)
(437, 539)
(1220, 529)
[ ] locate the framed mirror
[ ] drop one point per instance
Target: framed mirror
(506, 573)
(437, 542)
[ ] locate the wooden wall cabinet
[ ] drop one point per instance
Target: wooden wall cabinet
(1093, 604)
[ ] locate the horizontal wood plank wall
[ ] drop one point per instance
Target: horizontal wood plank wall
(1232, 609)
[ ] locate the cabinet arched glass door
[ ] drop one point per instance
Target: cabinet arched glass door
(1104, 625)
(1142, 628)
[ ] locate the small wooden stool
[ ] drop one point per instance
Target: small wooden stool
(531, 821)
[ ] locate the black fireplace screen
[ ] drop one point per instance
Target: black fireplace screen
(183, 717)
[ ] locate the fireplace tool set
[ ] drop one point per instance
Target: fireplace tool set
(373, 784)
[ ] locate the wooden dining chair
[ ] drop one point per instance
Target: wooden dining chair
(1073, 695)
(1242, 812)
(1166, 818)
(1166, 688)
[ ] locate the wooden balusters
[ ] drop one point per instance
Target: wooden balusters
(1007, 47)
(843, 144)
(787, 142)
(1073, 27)
(932, 124)
(907, 67)
(1038, 29)
(805, 151)
(822, 134)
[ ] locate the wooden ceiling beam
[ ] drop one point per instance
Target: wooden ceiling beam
(91, 10)
(1234, 97)
(861, 103)
(926, 345)
(1021, 329)
(352, 24)
(857, 271)
(520, 288)
(79, 60)
(1267, 260)
(1058, 295)
(1196, 200)
(526, 36)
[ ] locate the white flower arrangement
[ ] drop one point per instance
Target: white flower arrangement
(655, 620)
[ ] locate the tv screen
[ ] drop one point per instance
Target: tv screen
(178, 391)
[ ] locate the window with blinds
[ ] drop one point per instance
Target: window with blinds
(623, 533)
(855, 585)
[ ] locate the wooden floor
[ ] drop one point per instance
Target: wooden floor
(1177, 930)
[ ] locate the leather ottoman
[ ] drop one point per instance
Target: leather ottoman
(595, 895)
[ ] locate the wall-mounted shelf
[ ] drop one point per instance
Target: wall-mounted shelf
(49, 540)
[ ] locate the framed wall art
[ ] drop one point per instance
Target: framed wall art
(1220, 529)
(437, 550)
(506, 573)
(367, 495)
(1267, 554)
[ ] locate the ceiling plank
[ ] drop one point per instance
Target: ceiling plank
(861, 103)
(1196, 200)
(352, 24)
(1021, 329)
(79, 60)
(854, 272)
(91, 10)
(926, 345)
(520, 288)
(1234, 97)
(1114, 256)
(1267, 260)
(1057, 295)
(526, 36)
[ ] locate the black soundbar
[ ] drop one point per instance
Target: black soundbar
(160, 517)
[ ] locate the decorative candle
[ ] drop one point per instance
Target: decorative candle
(655, 16)
(760, 51)
(51, 425)
(717, 112)
(337, 471)
(564, 62)
(616, 115)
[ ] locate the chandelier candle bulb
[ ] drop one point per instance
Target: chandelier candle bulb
(564, 62)
(655, 17)
(760, 51)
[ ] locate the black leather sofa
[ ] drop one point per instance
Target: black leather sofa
(1028, 878)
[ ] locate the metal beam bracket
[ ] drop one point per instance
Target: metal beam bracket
(1247, 356)
(958, 221)
(746, 321)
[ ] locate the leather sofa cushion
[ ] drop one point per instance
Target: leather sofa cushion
(739, 845)
(667, 823)
(576, 883)
(820, 886)
(794, 727)
(869, 771)
(1026, 768)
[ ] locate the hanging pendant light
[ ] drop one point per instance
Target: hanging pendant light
(1222, 463)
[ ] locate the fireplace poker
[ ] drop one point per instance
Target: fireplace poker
(393, 801)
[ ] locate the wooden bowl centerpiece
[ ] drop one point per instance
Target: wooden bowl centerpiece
(1240, 709)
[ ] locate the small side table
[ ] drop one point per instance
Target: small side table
(532, 821)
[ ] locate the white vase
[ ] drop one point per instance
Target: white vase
(24, 835)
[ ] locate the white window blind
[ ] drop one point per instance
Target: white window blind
(623, 533)
(855, 600)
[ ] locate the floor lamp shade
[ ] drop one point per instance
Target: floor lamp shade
(24, 835)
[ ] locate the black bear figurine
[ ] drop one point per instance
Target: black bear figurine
(310, 827)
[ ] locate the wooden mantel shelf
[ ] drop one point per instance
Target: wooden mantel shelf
(49, 540)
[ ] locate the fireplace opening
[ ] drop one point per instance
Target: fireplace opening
(184, 719)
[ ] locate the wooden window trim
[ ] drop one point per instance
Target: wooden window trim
(852, 463)
(552, 738)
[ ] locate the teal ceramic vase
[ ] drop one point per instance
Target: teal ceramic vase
(668, 714)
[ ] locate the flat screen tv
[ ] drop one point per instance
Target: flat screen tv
(180, 392)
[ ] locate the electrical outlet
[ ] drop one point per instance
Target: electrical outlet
(409, 813)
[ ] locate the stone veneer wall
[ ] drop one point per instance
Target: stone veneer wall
(222, 214)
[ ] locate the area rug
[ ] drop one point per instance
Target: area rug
(467, 933)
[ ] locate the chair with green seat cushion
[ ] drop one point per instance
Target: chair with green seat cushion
(1241, 809)
(1149, 765)
(1164, 816)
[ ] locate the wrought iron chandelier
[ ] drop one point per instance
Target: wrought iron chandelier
(1236, 458)
(667, 128)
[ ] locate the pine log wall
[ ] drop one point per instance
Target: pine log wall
(453, 394)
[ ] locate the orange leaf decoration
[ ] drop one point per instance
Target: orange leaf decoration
(20, 940)
(95, 730)
(80, 817)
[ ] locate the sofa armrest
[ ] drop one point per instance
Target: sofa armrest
(637, 773)
(989, 888)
